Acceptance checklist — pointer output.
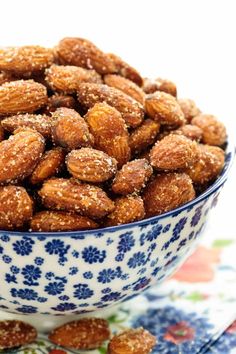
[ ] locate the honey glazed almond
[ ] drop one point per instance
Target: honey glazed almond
(87, 142)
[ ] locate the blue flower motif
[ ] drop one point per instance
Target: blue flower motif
(82, 291)
(106, 275)
(88, 275)
(66, 306)
(56, 247)
(141, 283)
(182, 244)
(42, 299)
(55, 288)
(177, 229)
(24, 294)
(126, 242)
(113, 296)
(196, 217)
(137, 260)
(73, 270)
(109, 241)
(168, 254)
(27, 309)
(23, 247)
(106, 291)
(119, 257)
(151, 235)
(5, 238)
(166, 228)
(1, 250)
(191, 235)
(14, 269)
(165, 246)
(31, 273)
(6, 259)
(10, 278)
(156, 271)
(39, 261)
(93, 255)
(75, 254)
(49, 275)
(64, 298)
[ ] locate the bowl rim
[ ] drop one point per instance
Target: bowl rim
(230, 153)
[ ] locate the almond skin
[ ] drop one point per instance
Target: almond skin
(208, 166)
(132, 177)
(190, 131)
(164, 108)
(125, 85)
(16, 334)
(6, 77)
(1, 133)
(189, 108)
(56, 221)
(132, 341)
(82, 52)
(173, 152)
(66, 79)
(127, 209)
(70, 195)
(91, 165)
(151, 86)
(167, 192)
(86, 333)
(132, 112)
(38, 122)
(19, 155)
(70, 130)
(51, 163)
(109, 130)
(126, 70)
(58, 101)
(16, 208)
(143, 136)
(25, 59)
(22, 96)
(214, 132)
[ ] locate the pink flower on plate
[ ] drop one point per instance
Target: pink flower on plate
(179, 333)
(200, 266)
(232, 329)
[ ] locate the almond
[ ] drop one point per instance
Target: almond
(167, 192)
(6, 77)
(70, 195)
(85, 333)
(213, 131)
(132, 341)
(38, 122)
(19, 155)
(164, 108)
(16, 208)
(132, 177)
(189, 108)
(67, 78)
(91, 165)
(70, 130)
(125, 85)
(55, 221)
(25, 96)
(127, 209)
(109, 131)
(126, 70)
(143, 136)
(25, 59)
(15, 334)
(151, 86)
(190, 131)
(58, 101)
(82, 52)
(51, 163)
(132, 112)
(208, 166)
(173, 152)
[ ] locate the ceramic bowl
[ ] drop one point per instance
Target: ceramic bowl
(68, 273)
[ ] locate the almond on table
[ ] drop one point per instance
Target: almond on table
(83, 334)
(213, 131)
(16, 333)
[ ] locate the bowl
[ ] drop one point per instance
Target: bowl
(73, 273)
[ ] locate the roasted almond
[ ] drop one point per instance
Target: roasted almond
(40, 123)
(70, 195)
(6, 77)
(91, 165)
(16, 208)
(55, 221)
(190, 131)
(70, 130)
(22, 96)
(213, 131)
(109, 130)
(85, 333)
(82, 52)
(51, 163)
(173, 152)
(58, 101)
(25, 59)
(66, 79)
(126, 70)
(132, 341)
(19, 155)
(132, 112)
(166, 192)
(151, 86)
(127, 209)
(143, 136)
(15, 334)
(164, 108)
(125, 85)
(189, 108)
(132, 177)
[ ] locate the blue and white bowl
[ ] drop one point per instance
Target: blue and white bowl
(68, 273)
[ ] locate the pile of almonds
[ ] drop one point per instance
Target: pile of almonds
(83, 334)
(86, 142)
